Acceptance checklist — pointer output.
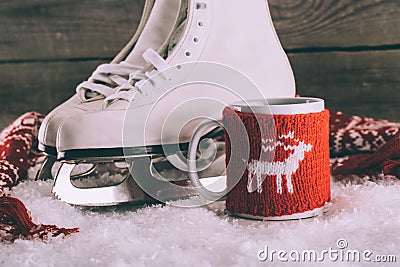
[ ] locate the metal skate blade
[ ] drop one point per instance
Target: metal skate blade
(109, 181)
(89, 175)
(65, 190)
(44, 172)
(125, 191)
(216, 184)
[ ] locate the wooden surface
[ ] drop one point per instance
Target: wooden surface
(347, 51)
(65, 29)
(337, 23)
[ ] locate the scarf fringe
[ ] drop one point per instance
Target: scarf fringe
(15, 221)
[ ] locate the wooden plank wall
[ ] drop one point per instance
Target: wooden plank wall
(346, 51)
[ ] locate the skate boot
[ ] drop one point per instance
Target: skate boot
(157, 22)
(227, 51)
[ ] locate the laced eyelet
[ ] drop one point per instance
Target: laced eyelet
(188, 54)
(201, 6)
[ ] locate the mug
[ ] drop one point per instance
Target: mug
(277, 158)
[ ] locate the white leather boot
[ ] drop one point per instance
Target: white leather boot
(235, 37)
(157, 23)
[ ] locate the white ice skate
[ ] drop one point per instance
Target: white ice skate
(156, 25)
(226, 47)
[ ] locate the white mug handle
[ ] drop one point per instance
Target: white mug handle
(192, 153)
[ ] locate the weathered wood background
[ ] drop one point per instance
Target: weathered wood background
(346, 51)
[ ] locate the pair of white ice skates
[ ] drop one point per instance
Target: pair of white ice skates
(142, 109)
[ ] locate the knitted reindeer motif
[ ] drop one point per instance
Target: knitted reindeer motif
(257, 170)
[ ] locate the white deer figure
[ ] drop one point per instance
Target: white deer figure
(256, 169)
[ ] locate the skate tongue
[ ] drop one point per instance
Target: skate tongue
(176, 36)
(162, 22)
(156, 35)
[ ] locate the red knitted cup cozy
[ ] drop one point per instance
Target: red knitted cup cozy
(297, 180)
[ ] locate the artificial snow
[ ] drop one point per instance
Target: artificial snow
(366, 214)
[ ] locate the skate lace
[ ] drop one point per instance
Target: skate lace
(137, 79)
(106, 79)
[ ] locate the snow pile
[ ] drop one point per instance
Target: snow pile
(366, 215)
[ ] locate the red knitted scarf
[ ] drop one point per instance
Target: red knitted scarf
(373, 146)
(17, 153)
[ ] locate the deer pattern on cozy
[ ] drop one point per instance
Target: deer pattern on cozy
(258, 170)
